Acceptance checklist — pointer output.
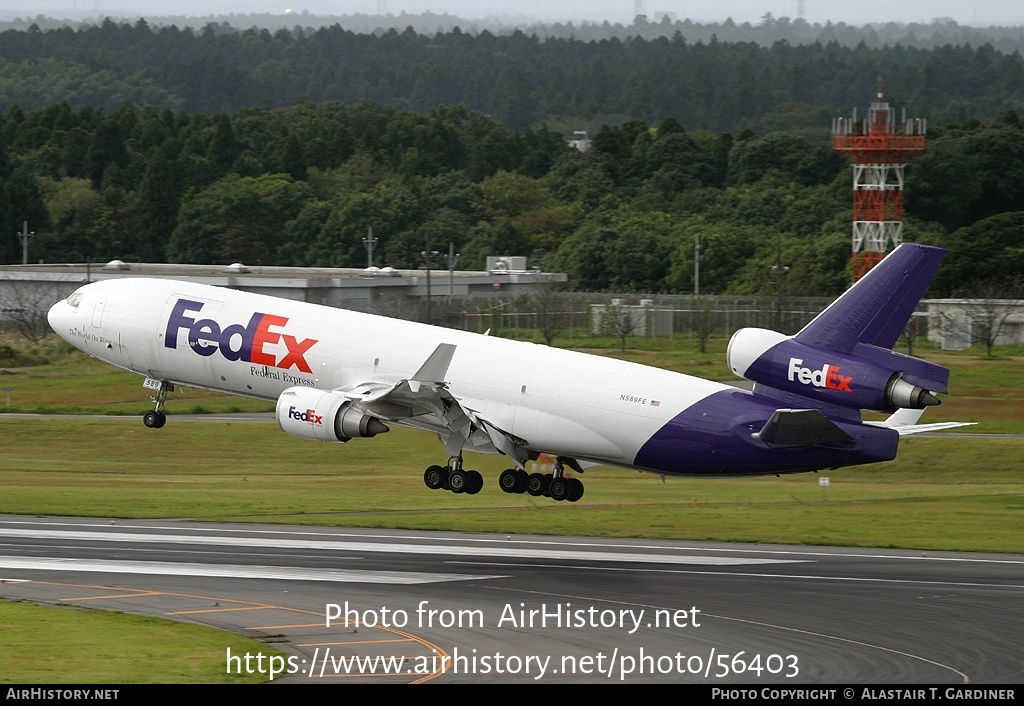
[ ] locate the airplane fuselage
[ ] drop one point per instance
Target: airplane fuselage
(568, 404)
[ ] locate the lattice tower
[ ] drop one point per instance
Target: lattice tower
(878, 149)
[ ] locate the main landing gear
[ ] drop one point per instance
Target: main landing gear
(554, 485)
(513, 480)
(156, 418)
(454, 478)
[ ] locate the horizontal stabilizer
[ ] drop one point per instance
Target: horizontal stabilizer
(904, 421)
(800, 426)
(904, 418)
(922, 428)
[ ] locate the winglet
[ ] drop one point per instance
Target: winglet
(435, 368)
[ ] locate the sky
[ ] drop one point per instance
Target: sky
(968, 12)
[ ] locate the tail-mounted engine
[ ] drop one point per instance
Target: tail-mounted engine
(867, 377)
(324, 416)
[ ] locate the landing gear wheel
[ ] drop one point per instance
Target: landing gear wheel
(575, 490)
(537, 484)
(435, 476)
(457, 481)
(559, 488)
(154, 420)
(522, 480)
(508, 481)
(474, 482)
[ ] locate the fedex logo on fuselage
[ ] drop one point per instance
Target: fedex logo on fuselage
(235, 341)
(828, 377)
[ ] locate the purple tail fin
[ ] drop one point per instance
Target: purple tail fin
(876, 309)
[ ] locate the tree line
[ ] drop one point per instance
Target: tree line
(769, 29)
(303, 185)
(521, 80)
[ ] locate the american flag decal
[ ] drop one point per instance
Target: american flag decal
(655, 403)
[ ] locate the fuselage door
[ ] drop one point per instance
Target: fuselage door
(97, 313)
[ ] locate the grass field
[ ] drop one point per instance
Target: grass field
(250, 471)
(44, 645)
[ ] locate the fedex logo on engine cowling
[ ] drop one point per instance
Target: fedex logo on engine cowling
(238, 342)
(828, 377)
(309, 416)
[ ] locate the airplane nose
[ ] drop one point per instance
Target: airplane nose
(57, 316)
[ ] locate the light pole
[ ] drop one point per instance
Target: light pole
(778, 272)
(696, 265)
(370, 243)
(25, 236)
(451, 259)
(428, 257)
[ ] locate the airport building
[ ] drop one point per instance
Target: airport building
(30, 290)
(956, 324)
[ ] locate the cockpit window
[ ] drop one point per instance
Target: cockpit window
(75, 299)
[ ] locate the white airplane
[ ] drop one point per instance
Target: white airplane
(339, 374)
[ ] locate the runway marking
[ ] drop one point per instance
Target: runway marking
(966, 679)
(365, 675)
(231, 571)
(890, 650)
(737, 574)
(214, 610)
(392, 548)
(817, 552)
(346, 642)
(287, 626)
(165, 550)
(138, 594)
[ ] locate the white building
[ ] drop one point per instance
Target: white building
(961, 323)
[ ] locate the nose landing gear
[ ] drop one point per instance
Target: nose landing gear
(156, 418)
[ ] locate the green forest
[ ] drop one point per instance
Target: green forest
(517, 79)
(216, 145)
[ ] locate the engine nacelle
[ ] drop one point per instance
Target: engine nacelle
(324, 416)
(868, 377)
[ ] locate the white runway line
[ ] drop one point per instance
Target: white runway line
(164, 568)
(447, 550)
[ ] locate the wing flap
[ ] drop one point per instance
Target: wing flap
(425, 395)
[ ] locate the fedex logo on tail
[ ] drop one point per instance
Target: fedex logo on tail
(238, 342)
(827, 377)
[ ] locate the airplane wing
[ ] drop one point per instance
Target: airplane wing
(904, 421)
(424, 401)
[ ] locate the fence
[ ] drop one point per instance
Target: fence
(655, 316)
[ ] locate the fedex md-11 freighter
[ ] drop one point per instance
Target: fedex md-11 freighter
(337, 374)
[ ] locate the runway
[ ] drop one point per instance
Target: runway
(458, 608)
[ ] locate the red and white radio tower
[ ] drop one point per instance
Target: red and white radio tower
(879, 150)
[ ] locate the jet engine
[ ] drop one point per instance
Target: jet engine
(865, 377)
(324, 416)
